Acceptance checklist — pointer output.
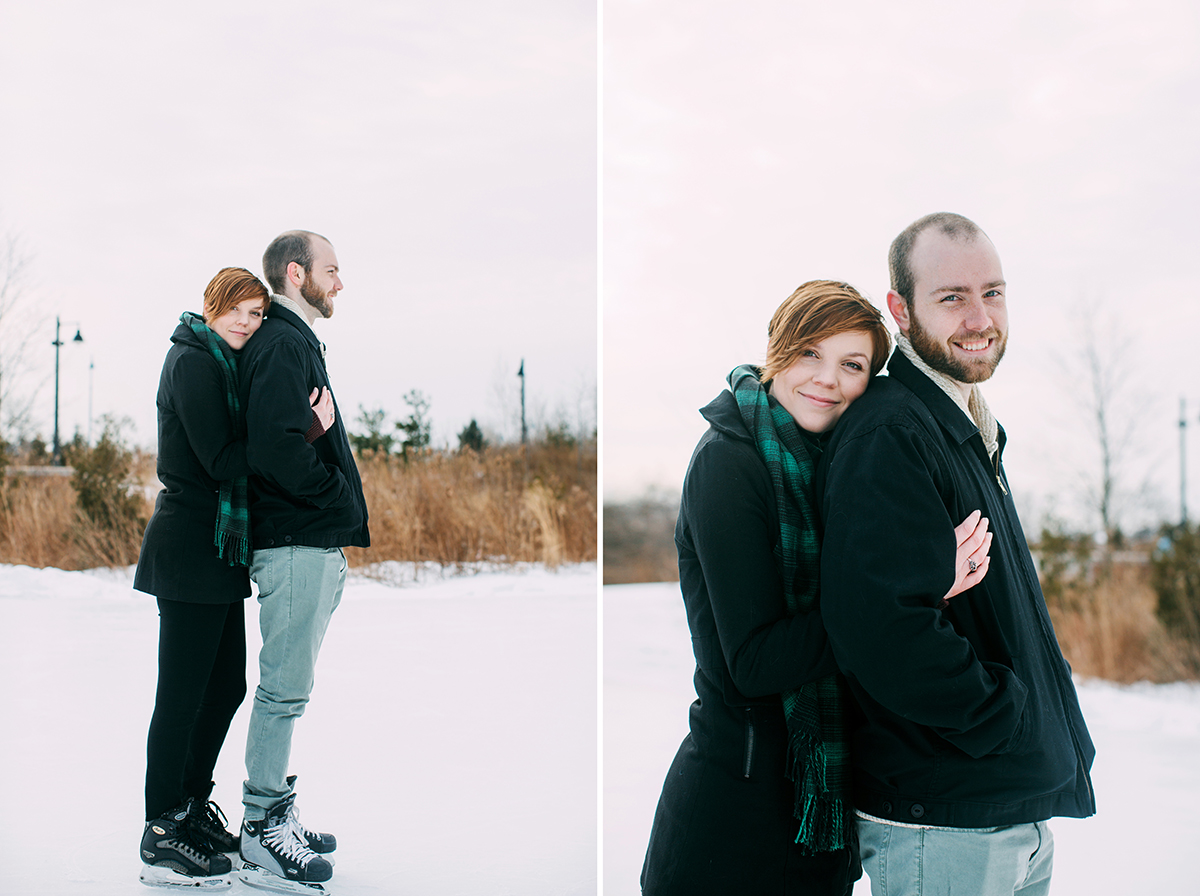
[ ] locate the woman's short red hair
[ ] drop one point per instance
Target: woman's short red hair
(816, 310)
(228, 288)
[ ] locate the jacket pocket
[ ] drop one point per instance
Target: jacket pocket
(748, 751)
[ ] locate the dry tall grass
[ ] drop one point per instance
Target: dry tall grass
(1107, 628)
(41, 524)
(509, 504)
(639, 540)
(1103, 612)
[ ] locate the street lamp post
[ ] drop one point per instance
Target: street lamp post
(1183, 461)
(58, 343)
(91, 373)
(521, 374)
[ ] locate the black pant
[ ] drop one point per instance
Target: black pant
(201, 684)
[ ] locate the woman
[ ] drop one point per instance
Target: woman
(754, 802)
(193, 559)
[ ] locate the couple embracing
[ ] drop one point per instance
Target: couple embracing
(879, 684)
(259, 484)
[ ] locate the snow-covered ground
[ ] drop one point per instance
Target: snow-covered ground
(1147, 771)
(450, 743)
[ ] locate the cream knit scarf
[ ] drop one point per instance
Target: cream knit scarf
(975, 408)
(295, 308)
(291, 306)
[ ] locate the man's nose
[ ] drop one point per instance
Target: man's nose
(978, 319)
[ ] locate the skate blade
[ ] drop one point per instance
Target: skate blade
(157, 876)
(261, 879)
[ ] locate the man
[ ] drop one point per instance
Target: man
(968, 734)
(306, 504)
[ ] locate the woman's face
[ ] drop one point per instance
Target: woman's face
(828, 375)
(238, 324)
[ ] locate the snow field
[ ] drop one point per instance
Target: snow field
(450, 742)
(1146, 773)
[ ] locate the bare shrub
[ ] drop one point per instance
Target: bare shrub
(639, 540)
(1103, 607)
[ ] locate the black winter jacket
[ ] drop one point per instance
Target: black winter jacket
(300, 493)
(968, 715)
(724, 823)
(196, 451)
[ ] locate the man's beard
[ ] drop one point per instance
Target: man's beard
(320, 300)
(940, 356)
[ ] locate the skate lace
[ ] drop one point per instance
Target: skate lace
(284, 839)
(214, 814)
(301, 831)
(192, 842)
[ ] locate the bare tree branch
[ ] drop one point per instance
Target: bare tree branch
(18, 326)
(1114, 410)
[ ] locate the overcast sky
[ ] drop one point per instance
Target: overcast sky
(448, 150)
(751, 147)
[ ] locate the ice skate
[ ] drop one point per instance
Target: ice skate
(277, 857)
(210, 821)
(260, 879)
(167, 878)
(318, 843)
(177, 855)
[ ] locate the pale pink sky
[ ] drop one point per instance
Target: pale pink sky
(751, 147)
(449, 151)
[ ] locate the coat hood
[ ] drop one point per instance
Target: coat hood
(722, 414)
(185, 335)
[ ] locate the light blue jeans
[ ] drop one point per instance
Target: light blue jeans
(298, 590)
(912, 860)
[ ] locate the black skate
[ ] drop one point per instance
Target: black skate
(277, 857)
(176, 854)
(210, 821)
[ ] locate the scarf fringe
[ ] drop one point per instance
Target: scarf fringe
(824, 817)
(236, 546)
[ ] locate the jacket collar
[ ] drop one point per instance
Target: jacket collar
(292, 306)
(949, 415)
(285, 314)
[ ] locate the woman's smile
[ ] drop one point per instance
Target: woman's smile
(825, 377)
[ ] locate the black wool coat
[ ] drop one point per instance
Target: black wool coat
(724, 823)
(196, 451)
(968, 716)
(301, 493)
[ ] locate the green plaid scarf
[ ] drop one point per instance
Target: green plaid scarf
(232, 535)
(818, 754)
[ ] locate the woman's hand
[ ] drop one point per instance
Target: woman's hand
(971, 560)
(323, 408)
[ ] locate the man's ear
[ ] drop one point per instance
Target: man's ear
(899, 309)
(295, 274)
